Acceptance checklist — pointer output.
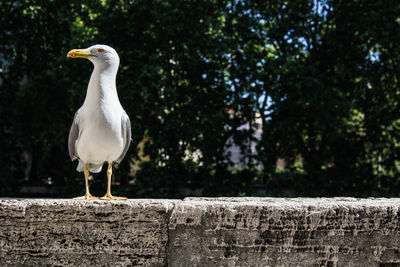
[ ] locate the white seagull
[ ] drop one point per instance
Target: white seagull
(101, 130)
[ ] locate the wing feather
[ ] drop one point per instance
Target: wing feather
(73, 137)
(126, 130)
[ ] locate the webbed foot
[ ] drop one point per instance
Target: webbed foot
(85, 197)
(111, 197)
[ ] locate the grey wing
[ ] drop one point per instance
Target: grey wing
(126, 131)
(73, 137)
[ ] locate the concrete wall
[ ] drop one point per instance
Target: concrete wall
(200, 232)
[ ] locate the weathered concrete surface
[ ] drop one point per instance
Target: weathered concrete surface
(201, 232)
(284, 232)
(83, 233)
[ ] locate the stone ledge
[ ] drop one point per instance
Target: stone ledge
(200, 232)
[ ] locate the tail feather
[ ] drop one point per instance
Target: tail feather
(93, 168)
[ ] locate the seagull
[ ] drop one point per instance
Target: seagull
(101, 129)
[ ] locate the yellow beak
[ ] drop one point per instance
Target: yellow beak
(78, 53)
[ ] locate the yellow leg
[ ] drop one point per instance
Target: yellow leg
(108, 195)
(87, 195)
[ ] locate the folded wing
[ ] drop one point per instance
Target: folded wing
(73, 137)
(126, 131)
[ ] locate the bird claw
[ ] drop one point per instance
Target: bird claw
(111, 197)
(85, 197)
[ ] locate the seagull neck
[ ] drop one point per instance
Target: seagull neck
(102, 86)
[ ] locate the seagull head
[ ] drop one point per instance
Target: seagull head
(103, 55)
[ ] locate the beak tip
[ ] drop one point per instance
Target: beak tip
(78, 53)
(71, 54)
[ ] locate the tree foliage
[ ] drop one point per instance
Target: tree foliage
(321, 77)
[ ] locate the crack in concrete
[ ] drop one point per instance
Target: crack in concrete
(167, 244)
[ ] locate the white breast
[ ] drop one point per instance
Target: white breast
(101, 137)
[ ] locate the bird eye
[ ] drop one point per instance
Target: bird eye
(101, 50)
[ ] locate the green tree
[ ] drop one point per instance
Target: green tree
(321, 76)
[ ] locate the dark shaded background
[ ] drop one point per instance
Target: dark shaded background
(320, 79)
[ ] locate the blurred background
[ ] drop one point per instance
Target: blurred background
(226, 98)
